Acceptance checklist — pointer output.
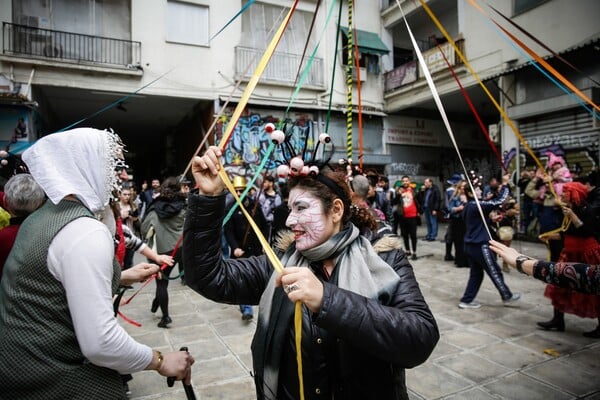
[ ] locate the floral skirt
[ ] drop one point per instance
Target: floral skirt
(576, 249)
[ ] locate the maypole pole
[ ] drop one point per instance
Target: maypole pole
(349, 66)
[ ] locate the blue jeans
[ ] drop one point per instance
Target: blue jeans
(480, 258)
(245, 309)
(432, 225)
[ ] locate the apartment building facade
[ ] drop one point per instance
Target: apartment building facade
(158, 72)
(546, 116)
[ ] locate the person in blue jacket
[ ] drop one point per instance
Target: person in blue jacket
(479, 256)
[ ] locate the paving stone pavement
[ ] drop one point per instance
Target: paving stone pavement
(494, 352)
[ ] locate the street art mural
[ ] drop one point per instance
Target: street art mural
(249, 142)
(580, 161)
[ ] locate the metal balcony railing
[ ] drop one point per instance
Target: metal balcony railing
(282, 67)
(27, 41)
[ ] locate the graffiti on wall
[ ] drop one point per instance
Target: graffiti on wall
(580, 161)
(482, 166)
(249, 142)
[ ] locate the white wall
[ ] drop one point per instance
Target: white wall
(560, 24)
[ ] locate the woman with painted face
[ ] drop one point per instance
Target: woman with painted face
(364, 319)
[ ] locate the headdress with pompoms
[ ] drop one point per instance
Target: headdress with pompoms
(304, 163)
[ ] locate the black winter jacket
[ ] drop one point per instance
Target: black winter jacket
(354, 348)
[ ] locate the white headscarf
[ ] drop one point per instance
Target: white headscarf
(80, 162)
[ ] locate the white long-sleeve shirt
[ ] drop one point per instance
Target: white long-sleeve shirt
(81, 258)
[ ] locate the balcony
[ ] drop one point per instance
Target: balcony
(282, 68)
(46, 44)
(411, 71)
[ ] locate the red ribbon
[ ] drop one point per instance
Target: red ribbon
(162, 268)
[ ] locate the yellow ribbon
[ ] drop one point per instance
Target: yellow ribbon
(485, 89)
(276, 262)
(255, 77)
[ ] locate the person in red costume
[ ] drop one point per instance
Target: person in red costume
(580, 245)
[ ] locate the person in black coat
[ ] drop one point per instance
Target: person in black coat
(240, 237)
(364, 319)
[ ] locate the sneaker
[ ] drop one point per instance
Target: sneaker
(126, 388)
(472, 304)
(414, 256)
(448, 258)
(509, 302)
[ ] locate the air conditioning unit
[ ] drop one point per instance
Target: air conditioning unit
(33, 21)
(28, 20)
(363, 74)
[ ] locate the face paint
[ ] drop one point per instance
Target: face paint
(311, 226)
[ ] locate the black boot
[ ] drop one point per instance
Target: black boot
(595, 334)
(448, 256)
(154, 305)
(164, 322)
(556, 323)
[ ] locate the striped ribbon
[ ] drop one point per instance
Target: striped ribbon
(359, 99)
(349, 67)
(508, 121)
(440, 107)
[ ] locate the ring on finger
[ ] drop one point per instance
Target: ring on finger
(290, 288)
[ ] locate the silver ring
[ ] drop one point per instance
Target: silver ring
(290, 288)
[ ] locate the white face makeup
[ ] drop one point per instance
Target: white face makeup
(308, 221)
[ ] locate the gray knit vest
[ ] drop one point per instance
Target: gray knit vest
(40, 357)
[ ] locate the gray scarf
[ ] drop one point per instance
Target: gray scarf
(359, 269)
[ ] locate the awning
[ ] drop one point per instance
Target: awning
(588, 42)
(368, 42)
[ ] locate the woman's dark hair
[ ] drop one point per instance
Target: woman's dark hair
(359, 216)
(170, 189)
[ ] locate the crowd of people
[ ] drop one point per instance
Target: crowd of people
(345, 243)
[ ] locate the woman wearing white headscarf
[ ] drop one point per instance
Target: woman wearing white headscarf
(59, 338)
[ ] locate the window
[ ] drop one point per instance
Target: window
(187, 23)
(520, 6)
(261, 20)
